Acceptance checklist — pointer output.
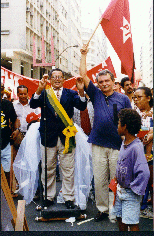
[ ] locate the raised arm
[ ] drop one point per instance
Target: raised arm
(42, 84)
(16, 127)
(83, 65)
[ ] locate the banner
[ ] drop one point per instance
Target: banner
(107, 64)
(12, 80)
(116, 26)
(92, 73)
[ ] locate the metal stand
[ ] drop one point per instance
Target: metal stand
(45, 134)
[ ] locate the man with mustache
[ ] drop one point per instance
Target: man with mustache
(104, 137)
(126, 85)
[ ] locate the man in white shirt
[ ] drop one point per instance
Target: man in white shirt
(22, 107)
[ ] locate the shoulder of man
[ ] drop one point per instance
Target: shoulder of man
(122, 95)
(6, 102)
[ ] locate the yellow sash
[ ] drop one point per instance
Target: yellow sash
(70, 129)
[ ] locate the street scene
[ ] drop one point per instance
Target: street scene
(77, 115)
(61, 225)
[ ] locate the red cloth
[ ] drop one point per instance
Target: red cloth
(85, 121)
(107, 64)
(113, 187)
(116, 25)
(31, 117)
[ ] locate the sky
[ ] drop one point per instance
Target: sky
(139, 10)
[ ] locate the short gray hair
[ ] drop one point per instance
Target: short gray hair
(105, 72)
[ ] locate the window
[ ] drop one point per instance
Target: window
(5, 32)
(4, 5)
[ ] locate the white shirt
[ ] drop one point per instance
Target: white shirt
(22, 111)
(133, 104)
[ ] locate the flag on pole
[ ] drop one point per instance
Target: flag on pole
(116, 26)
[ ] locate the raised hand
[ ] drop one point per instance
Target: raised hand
(42, 84)
(80, 85)
(84, 50)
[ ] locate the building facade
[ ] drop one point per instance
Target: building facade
(97, 47)
(146, 54)
(27, 19)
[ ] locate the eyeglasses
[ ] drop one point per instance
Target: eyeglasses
(138, 97)
(57, 77)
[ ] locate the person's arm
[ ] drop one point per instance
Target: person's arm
(83, 65)
(16, 127)
(35, 99)
(148, 138)
(127, 103)
(42, 84)
(141, 171)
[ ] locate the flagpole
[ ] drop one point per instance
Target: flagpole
(94, 31)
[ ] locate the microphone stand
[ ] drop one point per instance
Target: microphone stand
(45, 134)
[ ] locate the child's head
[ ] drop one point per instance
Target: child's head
(131, 119)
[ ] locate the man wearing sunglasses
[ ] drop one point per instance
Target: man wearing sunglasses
(55, 140)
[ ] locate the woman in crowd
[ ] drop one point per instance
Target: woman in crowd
(144, 102)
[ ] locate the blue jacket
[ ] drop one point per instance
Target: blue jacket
(54, 125)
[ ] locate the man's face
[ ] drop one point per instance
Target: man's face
(23, 95)
(57, 79)
(128, 87)
(116, 87)
(105, 83)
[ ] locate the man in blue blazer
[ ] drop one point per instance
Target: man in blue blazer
(55, 140)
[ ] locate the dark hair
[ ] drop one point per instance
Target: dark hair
(124, 80)
(131, 118)
(56, 69)
(21, 86)
(105, 72)
(147, 92)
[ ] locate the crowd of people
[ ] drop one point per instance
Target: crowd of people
(118, 121)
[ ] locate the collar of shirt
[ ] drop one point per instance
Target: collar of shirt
(60, 91)
(17, 102)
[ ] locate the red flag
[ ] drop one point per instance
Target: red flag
(116, 25)
(70, 83)
(107, 64)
